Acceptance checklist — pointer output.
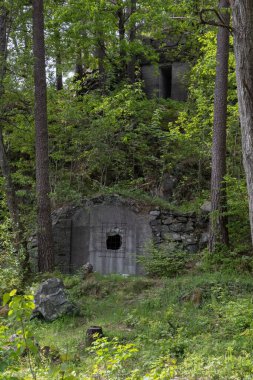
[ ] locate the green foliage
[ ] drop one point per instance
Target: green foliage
(21, 342)
(10, 274)
(225, 259)
(165, 260)
(238, 221)
(102, 140)
(111, 357)
(154, 331)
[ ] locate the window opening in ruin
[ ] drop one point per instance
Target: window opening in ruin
(165, 81)
(114, 242)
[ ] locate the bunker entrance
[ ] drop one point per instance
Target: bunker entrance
(165, 81)
(114, 242)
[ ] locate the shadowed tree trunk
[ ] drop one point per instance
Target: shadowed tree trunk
(132, 36)
(58, 63)
(44, 223)
(218, 222)
(242, 11)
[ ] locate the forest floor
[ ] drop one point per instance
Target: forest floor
(188, 327)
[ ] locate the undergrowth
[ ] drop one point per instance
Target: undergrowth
(191, 326)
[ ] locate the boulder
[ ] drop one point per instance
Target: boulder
(51, 301)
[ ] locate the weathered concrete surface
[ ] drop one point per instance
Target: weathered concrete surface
(178, 86)
(150, 76)
(81, 235)
(165, 81)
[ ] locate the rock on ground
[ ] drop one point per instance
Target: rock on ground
(51, 301)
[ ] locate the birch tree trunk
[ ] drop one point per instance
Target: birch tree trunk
(44, 223)
(218, 222)
(242, 11)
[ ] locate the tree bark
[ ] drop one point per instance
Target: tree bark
(218, 222)
(44, 223)
(58, 62)
(242, 11)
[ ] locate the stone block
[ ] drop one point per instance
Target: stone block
(177, 227)
(189, 227)
(156, 222)
(155, 213)
(192, 248)
(182, 219)
(173, 237)
(168, 220)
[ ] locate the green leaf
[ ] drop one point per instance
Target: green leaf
(6, 298)
(13, 292)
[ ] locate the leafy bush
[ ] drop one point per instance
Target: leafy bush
(13, 346)
(225, 259)
(164, 261)
(10, 274)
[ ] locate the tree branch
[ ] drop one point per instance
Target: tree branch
(211, 22)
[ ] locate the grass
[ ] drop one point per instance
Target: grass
(209, 337)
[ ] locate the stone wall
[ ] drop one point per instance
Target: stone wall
(188, 230)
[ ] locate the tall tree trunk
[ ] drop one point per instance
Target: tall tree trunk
(44, 222)
(122, 54)
(59, 80)
(58, 63)
(218, 223)
(132, 37)
(242, 11)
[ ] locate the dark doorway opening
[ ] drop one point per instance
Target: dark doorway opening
(114, 242)
(165, 81)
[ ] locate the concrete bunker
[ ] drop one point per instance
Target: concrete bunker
(165, 80)
(109, 232)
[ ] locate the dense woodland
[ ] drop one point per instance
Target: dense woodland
(75, 121)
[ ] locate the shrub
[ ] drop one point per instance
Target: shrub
(164, 261)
